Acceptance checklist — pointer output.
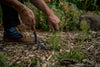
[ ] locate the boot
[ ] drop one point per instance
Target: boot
(14, 35)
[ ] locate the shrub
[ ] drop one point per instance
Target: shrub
(66, 12)
(85, 4)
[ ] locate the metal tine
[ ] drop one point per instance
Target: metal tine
(36, 39)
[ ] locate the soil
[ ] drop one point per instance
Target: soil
(23, 53)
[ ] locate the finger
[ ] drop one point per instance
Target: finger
(51, 27)
(57, 26)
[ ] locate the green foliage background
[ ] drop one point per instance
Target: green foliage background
(69, 17)
(85, 4)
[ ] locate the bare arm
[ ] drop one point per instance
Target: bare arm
(42, 6)
(52, 18)
(25, 13)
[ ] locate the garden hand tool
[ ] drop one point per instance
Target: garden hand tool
(36, 42)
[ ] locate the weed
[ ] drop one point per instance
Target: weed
(34, 61)
(9, 54)
(14, 65)
(84, 28)
(71, 55)
(3, 62)
(54, 41)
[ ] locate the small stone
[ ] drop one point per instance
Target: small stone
(43, 58)
(44, 40)
(80, 65)
(49, 64)
(91, 47)
(72, 44)
(18, 62)
(31, 55)
(32, 35)
(17, 58)
(49, 57)
(61, 50)
(67, 50)
(4, 49)
(89, 62)
(34, 48)
(72, 47)
(53, 64)
(38, 64)
(97, 65)
(25, 57)
(44, 65)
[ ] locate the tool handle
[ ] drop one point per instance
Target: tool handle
(33, 29)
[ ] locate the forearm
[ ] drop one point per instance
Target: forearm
(18, 6)
(42, 6)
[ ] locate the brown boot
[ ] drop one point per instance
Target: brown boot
(23, 39)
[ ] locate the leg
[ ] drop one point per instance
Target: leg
(10, 16)
(10, 22)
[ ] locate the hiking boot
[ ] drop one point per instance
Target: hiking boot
(12, 34)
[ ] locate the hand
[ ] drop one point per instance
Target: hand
(53, 22)
(27, 17)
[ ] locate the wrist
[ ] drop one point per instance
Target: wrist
(22, 10)
(50, 14)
